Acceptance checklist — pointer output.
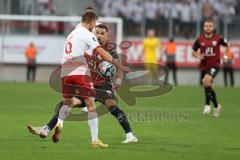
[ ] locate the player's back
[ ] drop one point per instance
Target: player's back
(78, 42)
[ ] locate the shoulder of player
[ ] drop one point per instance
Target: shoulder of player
(217, 36)
(110, 46)
(83, 31)
(200, 37)
(145, 40)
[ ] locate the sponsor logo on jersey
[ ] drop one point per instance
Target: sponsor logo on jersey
(214, 43)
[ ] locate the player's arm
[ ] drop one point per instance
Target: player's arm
(119, 73)
(226, 44)
(195, 50)
(93, 43)
(107, 57)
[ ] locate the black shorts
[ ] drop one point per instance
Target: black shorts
(213, 71)
(102, 94)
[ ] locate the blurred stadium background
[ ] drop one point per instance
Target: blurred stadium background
(39, 21)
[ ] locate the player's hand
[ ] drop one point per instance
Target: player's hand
(201, 56)
(124, 68)
(225, 58)
(117, 84)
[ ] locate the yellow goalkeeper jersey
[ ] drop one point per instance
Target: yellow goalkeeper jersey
(150, 46)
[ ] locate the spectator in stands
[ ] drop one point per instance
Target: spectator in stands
(208, 10)
(151, 9)
(124, 11)
(238, 8)
(110, 8)
(31, 53)
(174, 12)
(230, 11)
(171, 60)
(137, 16)
(47, 9)
(162, 15)
(185, 18)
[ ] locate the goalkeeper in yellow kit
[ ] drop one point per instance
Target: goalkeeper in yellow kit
(151, 44)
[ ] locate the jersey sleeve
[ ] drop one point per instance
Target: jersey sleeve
(92, 42)
(114, 54)
(196, 45)
(223, 41)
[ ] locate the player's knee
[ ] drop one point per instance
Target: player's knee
(206, 82)
(90, 103)
(67, 102)
(110, 102)
(76, 102)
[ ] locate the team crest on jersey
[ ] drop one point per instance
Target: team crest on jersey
(202, 44)
(214, 43)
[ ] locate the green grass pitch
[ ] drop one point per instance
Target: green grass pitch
(196, 137)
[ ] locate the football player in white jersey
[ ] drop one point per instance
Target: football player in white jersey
(76, 75)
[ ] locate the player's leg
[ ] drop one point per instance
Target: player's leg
(155, 70)
(210, 92)
(174, 72)
(207, 107)
(111, 104)
(225, 76)
(105, 95)
(43, 131)
(77, 102)
(87, 92)
(231, 76)
(56, 121)
(68, 91)
(93, 123)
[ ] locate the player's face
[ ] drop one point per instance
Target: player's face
(151, 33)
(208, 27)
(101, 35)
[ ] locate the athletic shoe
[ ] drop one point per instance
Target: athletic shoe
(44, 132)
(98, 144)
(217, 111)
(207, 109)
(57, 133)
(130, 139)
(34, 130)
(40, 131)
(85, 109)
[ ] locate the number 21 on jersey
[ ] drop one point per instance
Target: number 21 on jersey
(209, 51)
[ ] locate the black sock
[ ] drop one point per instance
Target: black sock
(121, 117)
(207, 95)
(52, 123)
(214, 99)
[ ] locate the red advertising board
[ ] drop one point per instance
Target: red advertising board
(184, 56)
